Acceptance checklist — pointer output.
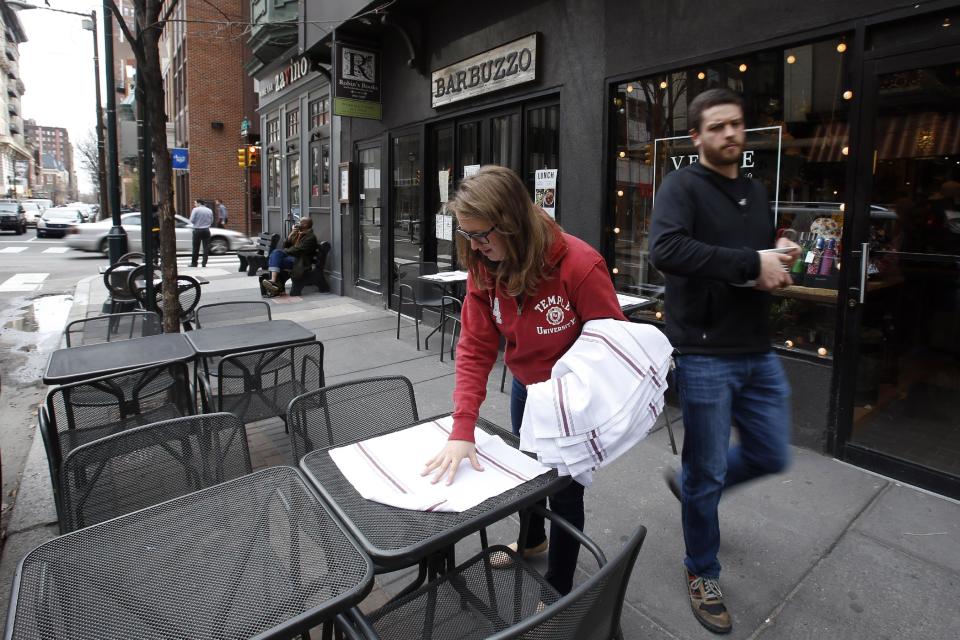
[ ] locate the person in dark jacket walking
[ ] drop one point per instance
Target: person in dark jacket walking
(710, 227)
(297, 255)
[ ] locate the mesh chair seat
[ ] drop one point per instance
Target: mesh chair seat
(140, 467)
(412, 290)
(261, 404)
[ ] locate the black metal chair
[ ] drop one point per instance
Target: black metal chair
(451, 310)
(147, 465)
(188, 297)
(81, 412)
(115, 279)
(348, 412)
(419, 293)
(476, 600)
(224, 314)
(112, 328)
(256, 385)
(133, 256)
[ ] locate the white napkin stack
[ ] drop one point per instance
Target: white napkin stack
(603, 396)
(387, 469)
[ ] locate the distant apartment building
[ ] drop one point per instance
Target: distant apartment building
(53, 155)
(15, 156)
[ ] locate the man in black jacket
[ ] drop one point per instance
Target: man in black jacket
(297, 255)
(709, 227)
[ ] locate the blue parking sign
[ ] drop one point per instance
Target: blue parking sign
(180, 158)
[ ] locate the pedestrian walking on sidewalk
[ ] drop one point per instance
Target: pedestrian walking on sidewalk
(709, 225)
(221, 213)
(202, 219)
(296, 255)
(534, 286)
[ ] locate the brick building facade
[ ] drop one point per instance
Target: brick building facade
(208, 96)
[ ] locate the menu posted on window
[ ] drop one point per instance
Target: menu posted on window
(545, 190)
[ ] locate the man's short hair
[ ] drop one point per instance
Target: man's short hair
(707, 99)
(306, 223)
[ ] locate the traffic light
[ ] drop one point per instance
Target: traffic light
(242, 157)
(253, 156)
(645, 153)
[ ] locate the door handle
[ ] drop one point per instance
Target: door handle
(864, 264)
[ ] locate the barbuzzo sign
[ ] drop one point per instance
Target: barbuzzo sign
(506, 66)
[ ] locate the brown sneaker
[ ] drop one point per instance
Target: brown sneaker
(706, 601)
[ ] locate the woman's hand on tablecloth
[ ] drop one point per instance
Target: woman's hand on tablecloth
(448, 460)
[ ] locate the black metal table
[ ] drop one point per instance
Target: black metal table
(219, 341)
(398, 538)
(88, 361)
(256, 557)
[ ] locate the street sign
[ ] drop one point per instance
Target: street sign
(180, 158)
(244, 127)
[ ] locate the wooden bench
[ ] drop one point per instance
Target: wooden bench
(254, 257)
(315, 276)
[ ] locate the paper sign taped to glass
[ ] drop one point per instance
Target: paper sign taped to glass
(387, 469)
(603, 396)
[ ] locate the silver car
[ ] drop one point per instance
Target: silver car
(93, 236)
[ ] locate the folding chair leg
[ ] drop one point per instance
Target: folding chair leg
(503, 377)
(666, 416)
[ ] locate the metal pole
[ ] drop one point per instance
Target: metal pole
(117, 238)
(148, 219)
(101, 161)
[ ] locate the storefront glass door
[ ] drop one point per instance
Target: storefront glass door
(901, 380)
(370, 221)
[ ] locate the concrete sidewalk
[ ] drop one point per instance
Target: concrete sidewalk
(824, 551)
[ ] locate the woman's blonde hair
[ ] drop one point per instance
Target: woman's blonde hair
(497, 197)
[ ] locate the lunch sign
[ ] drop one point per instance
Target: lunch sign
(505, 66)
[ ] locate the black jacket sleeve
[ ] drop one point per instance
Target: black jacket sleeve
(674, 250)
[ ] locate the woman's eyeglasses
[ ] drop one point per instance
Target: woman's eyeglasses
(479, 236)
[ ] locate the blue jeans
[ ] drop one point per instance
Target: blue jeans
(567, 503)
(279, 260)
(751, 392)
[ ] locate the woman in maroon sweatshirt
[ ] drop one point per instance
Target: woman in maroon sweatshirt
(534, 285)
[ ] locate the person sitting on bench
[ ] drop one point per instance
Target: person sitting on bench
(296, 256)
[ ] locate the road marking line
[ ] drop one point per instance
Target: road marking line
(13, 249)
(24, 282)
(56, 250)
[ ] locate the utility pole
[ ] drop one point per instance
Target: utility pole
(101, 162)
(117, 238)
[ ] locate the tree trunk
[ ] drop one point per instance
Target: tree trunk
(150, 74)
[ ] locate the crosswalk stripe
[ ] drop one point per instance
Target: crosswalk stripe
(56, 250)
(24, 282)
(13, 249)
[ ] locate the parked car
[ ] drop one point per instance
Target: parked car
(43, 203)
(57, 222)
(93, 236)
(13, 218)
(85, 210)
(33, 212)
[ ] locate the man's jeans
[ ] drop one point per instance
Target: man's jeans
(279, 260)
(752, 392)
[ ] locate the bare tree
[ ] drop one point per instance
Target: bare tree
(150, 17)
(89, 155)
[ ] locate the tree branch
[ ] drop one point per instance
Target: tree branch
(134, 42)
(166, 14)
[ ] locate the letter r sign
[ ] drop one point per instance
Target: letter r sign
(358, 65)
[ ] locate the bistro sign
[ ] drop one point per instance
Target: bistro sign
(296, 70)
(506, 66)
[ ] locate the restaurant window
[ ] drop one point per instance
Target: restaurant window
(273, 180)
(319, 174)
(293, 124)
(797, 144)
(542, 141)
(319, 112)
(407, 199)
(293, 182)
(273, 130)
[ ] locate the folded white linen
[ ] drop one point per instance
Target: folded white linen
(387, 469)
(604, 395)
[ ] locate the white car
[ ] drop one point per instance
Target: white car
(93, 236)
(33, 211)
(58, 221)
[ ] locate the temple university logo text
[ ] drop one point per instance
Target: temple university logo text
(496, 311)
(554, 309)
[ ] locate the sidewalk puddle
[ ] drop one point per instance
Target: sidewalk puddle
(35, 328)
